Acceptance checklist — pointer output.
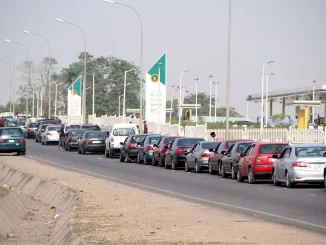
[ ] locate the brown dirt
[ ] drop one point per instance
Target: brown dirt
(3, 192)
(112, 213)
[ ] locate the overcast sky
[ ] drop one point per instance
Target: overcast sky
(194, 33)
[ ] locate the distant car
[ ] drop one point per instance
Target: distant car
(176, 153)
(231, 159)
(89, 127)
(161, 148)
(214, 165)
(40, 131)
(257, 162)
(50, 134)
(300, 164)
(119, 133)
(146, 149)
(71, 139)
(11, 122)
(30, 130)
(197, 158)
(67, 127)
(91, 141)
(129, 148)
(12, 140)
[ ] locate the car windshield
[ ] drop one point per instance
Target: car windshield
(209, 145)
(243, 146)
(312, 151)
(33, 125)
(21, 124)
(168, 140)
(91, 127)
(189, 141)
(54, 128)
(95, 135)
(123, 132)
(154, 140)
(11, 132)
(271, 148)
(73, 126)
(138, 138)
(44, 126)
(229, 144)
(77, 133)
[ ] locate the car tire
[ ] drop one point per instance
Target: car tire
(110, 153)
(239, 177)
(251, 177)
(275, 182)
(187, 169)
(210, 170)
(166, 164)
(233, 173)
(223, 174)
(18, 153)
(288, 181)
(174, 164)
(24, 152)
(197, 167)
(160, 162)
(153, 161)
(127, 159)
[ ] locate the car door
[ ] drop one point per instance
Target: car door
(124, 146)
(141, 148)
(243, 163)
(226, 161)
(169, 152)
(250, 158)
(282, 163)
(214, 162)
(192, 155)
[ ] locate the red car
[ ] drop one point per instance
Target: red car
(257, 162)
(160, 150)
(214, 162)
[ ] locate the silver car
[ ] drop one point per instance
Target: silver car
(299, 164)
(198, 156)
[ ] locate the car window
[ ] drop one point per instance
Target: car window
(221, 146)
(54, 128)
(91, 127)
(287, 153)
(76, 133)
(138, 138)
(72, 126)
(44, 126)
(252, 150)
(312, 151)
(248, 150)
(33, 125)
(123, 132)
(229, 144)
(168, 140)
(209, 145)
(95, 135)
(231, 148)
(242, 146)
(271, 148)
(154, 140)
(188, 141)
(11, 132)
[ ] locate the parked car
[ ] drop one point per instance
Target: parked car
(129, 148)
(118, 134)
(30, 130)
(10, 122)
(71, 139)
(161, 148)
(91, 141)
(197, 158)
(176, 153)
(146, 149)
(231, 159)
(66, 128)
(257, 162)
(214, 164)
(300, 164)
(40, 131)
(12, 140)
(21, 124)
(90, 127)
(50, 134)
(325, 177)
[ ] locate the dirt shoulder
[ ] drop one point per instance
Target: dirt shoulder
(112, 213)
(3, 192)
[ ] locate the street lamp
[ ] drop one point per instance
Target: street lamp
(210, 98)
(196, 79)
(266, 106)
(120, 99)
(215, 104)
(124, 94)
(180, 95)
(313, 98)
(56, 98)
(29, 74)
(85, 59)
(10, 83)
(262, 98)
(228, 86)
(141, 63)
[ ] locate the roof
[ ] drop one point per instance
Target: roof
(272, 143)
(308, 145)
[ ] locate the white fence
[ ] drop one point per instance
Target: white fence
(293, 136)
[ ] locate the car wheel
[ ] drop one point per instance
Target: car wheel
(153, 161)
(166, 164)
(275, 182)
(110, 153)
(223, 174)
(106, 153)
(160, 162)
(233, 173)
(24, 152)
(288, 181)
(197, 167)
(220, 168)
(127, 159)
(42, 142)
(18, 153)
(187, 169)
(174, 164)
(210, 170)
(251, 177)
(239, 177)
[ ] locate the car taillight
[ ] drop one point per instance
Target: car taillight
(48, 134)
(85, 142)
(29, 129)
(21, 140)
(73, 140)
(2, 141)
(179, 151)
(150, 148)
(259, 159)
(205, 155)
(163, 151)
(299, 164)
(112, 141)
(132, 146)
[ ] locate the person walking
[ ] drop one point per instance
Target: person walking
(215, 138)
(145, 128)
(61, 136)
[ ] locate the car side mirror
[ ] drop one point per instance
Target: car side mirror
(155, 145)
(229, 154)
(223, 152)
(166, 147)
(121, 143)
(275, 156)
(242, 154)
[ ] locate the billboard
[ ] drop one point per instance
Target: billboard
(74, 98)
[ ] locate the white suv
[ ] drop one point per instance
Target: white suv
(118, 134)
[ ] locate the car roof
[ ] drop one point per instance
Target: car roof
(236, 140)
(140, 135)
(84, 124)
(124, 125)
(271, 143)
(308, 145)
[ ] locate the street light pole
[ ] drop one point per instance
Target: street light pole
(215, 104)
(210, 98)
(196, 79)
(141, 63)
(85, 75)
(56, 98)
(120, 104)
(173, 90)
(93, 107)
(313, 99)
(29, 68)
(180, 98)
(227, 118)
(266, 101)
(41, 104)
(33, 108)
(124, 95)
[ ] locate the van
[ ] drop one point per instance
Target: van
(118, 134)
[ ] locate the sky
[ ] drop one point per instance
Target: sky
(194, 34)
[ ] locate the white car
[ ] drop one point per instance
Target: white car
(50, 134)
(118, 134)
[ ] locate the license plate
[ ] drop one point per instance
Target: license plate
(10, 141)
(96, 141)
(317, 166)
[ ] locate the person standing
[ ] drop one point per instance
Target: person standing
(215, 138)
(61, 136)
(145, 128)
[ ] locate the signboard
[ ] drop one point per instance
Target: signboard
(74, 98)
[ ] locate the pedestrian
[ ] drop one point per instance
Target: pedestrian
(215, 138)
(145, 128)
(1, 122)
(61, 136)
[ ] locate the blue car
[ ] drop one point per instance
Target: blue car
(12, 139)
(31, 129)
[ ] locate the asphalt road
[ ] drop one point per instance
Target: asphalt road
(303, 206)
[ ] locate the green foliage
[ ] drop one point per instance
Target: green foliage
(279, 116)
